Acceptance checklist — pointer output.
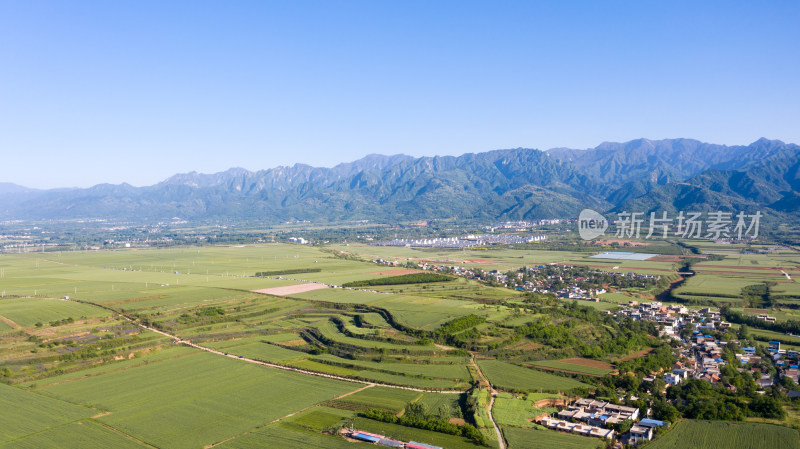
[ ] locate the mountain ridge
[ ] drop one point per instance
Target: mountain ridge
(518, 183)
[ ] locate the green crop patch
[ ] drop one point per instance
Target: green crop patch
(692, 434)
(402, 433)
(508, 411)
(77, 435)
(582, 366)
(384, 398)
(513, 377)
(24, 413)
(526, 438)
(203, 397)
(287, 436)
(27, 312)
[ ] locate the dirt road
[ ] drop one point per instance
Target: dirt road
(500, 441)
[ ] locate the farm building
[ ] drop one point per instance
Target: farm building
(415, 445)
(388, 442)
(639, 433)
(366, 436)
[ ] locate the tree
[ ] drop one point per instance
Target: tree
(788, 383)
(657, 387)
(443, 412)
(623, 427)
(744, 332)
(767, 407)
(417, 410)
(664, 411)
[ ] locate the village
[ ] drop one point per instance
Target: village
(564, 281)
(702, 338)
(703, 342)
(468, 241)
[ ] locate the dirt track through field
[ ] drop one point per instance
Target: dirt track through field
(12, 324)
(493, 395)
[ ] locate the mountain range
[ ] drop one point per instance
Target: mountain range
(514, 184)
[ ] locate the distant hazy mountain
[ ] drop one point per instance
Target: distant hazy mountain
(504, 184)
(772, 182)
(7, 187)
(663, 161)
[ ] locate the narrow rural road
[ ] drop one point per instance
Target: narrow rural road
(493, 395)
(180, 340)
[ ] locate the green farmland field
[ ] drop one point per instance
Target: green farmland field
(718, 434)
(25, 413)
(203, 397)
(92, 372)
(290, 437)
(571, 367)
(410, 434)
(507, 375)
(83, 434)
(508, 411)
(527, 438)
(380, 397)
(29, 311)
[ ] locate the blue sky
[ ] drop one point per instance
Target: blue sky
(133, 92)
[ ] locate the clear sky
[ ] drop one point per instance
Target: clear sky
(135, 91)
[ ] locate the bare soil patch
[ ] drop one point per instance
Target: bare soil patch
(665, 259)
(588, 362)
(291, 289)
(550, 402)
(298, 342)
(526, 346)
(8, 321)
(636, 355)
(756, 311)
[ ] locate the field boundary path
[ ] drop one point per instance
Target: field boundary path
(179, 340)
(492, 396)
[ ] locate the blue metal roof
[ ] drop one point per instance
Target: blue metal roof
(651, 422)
(370, 438)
